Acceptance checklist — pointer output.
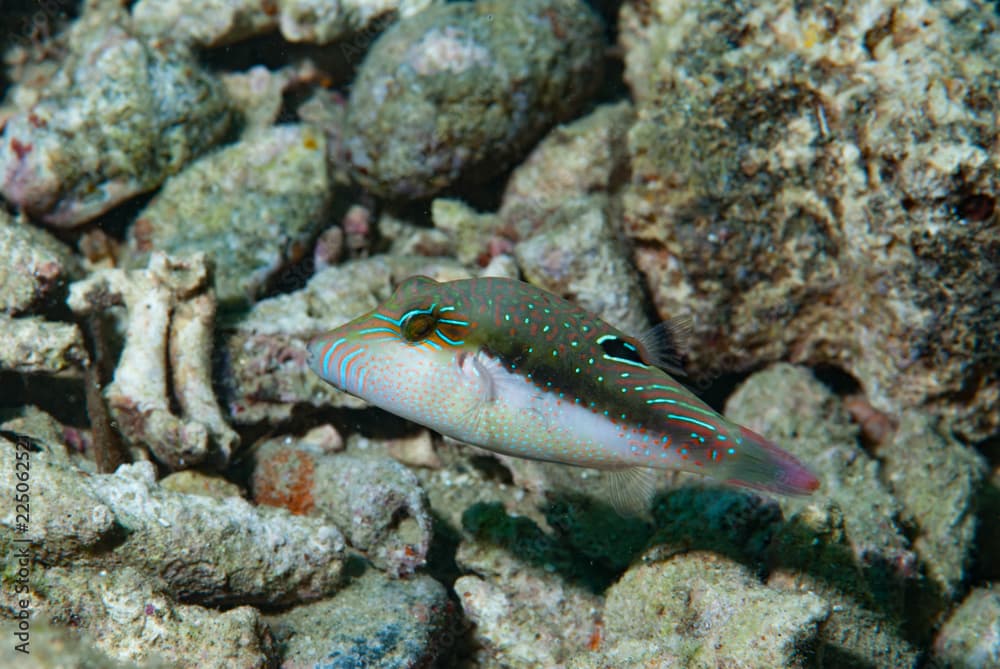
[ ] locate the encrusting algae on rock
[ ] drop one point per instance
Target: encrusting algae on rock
(506, 366)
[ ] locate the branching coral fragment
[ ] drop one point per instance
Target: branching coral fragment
(168, 343)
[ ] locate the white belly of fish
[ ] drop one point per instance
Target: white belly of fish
(510, 414)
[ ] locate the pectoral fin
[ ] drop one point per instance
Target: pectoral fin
(630, 490)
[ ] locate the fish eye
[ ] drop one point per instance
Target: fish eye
(418, 324)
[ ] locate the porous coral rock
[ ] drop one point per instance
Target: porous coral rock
(194, 482)
(258, 93)
(585, 157)
(132, 617)
(796, 411)
(207, 551)
(33, 345)
(971, 636)
(578, 254)
(819, 182)
(35, 271)
(475, 237)
(168, 344)
(212, 23)
(937, 479)
(55, 647)
(221, 22)
(323, 22)
(524, 616)
(409, 239)
(120, 116)
(573, 161)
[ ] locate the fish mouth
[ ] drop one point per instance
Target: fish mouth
(339, 361)
(313, 346)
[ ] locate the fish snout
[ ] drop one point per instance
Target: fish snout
(314, 349)
(334, 357)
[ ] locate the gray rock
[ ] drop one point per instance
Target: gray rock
(937, 479)
(35, 268)
(54, 647)
(374, 622)
(792, 408)
(375, 501)
(585, 157)
(33, 345)
(577, 253)
(461, 90)
(845, 542)
(133, 618)
(524, 614)
(225, 21)
(971, 636)
(701, 611)
(252, 208)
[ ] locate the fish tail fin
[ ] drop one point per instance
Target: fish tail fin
(760, 464)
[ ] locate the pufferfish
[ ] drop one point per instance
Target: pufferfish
(509, 367)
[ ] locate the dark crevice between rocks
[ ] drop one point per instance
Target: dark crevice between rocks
(442, 567)
(369, 422)
(715, 390)
(828, 654)
(838, 380)
(613, 87)
(31, 23)
(875, 427)
(63, 398)
(441, 563)
(492, 469)
(291, 278)
(985, 567)
(874, 586)
(377, 424)
(116, 222)
(270, 51)
(521, 536)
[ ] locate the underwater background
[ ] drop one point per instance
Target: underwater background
(190, 191)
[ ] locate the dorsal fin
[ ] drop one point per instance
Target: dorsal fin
(666, 343)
